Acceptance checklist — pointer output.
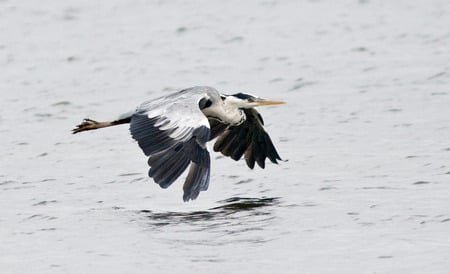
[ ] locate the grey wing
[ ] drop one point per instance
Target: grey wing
(173, 132)
(248, 138)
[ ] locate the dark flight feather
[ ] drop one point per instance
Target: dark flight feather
(248, 139)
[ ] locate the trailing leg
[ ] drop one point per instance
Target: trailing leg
(89, 124)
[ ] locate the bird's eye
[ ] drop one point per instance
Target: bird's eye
(204, 103)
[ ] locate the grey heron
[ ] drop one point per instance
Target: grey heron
(173, 131)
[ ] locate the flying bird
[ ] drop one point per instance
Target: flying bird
(173, 131)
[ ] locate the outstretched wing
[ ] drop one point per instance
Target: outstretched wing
(173, 132)
(248, 138)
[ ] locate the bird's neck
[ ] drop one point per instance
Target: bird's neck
(226, 113)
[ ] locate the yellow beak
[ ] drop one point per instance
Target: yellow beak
(263, 102)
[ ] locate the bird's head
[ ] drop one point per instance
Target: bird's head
(243, 100)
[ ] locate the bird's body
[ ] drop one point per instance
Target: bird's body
(173, 131)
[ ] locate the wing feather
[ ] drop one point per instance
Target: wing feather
(248, 139)
(167, 166)
(217, 128)
(198, 177)
(173, 132)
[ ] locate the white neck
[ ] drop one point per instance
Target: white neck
(226, 111)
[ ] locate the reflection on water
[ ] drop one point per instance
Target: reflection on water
(243, 218)
(239, 204)
(229, 207)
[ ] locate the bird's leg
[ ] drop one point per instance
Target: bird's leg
(89, 124)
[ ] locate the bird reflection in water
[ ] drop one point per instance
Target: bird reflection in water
(228, 210)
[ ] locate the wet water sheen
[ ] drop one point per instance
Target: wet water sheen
(364, 182)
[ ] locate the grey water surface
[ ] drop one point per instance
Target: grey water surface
(365, 137)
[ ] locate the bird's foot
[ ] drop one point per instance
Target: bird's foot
(87, 124)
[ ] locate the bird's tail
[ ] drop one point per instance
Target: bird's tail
(89, 124)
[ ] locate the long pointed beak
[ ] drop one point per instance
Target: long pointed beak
(263, 102)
